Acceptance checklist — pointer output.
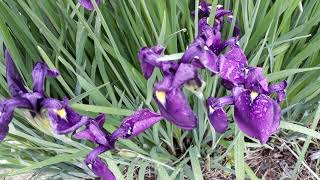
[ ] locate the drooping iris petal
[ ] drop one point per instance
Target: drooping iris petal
(174, 106)
(6, 113)
(137, 123)
(95, 132)
(256, 81)
(15, 84)
(39, 73)
(148, 58)
(63, 118)
(97, 166)
(256, 114)
(217, 116)
(88, 4)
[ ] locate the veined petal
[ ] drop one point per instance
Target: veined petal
(95, 132)
(136, 124)
(97, 166)
(256, 114)
(175, 108)
(256, 81)
(6, 113)
(65, 120)
(193, 50)
(185, 73)
(210, 61)
(232, 71)
(15, 84)
(39, 73)
(88, 4)
(148, 58)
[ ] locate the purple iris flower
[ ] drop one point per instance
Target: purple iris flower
(22, 98)
(256, 113)
(130, 127)
(171, 101)
(88, 4)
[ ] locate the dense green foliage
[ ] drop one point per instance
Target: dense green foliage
(96, 53)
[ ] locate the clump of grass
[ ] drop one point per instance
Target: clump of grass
(96, 53)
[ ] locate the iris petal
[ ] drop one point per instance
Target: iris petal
(88, 4)
(258, 117)
(15, 84)
(148, 58)
(6, 113)
(137, 123)
(97, 166)
(39, 73)
(63, 118)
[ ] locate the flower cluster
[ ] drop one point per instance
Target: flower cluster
(64, 119)
(255, 112)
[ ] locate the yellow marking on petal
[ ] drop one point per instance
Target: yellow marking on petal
(161, 96)
(254, 95)
(219, 6)
(62, 113)
(211, 110)
(217, 21)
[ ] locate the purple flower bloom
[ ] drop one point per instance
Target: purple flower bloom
(88, 4)
(130, 127)
(137, 123)
(171, 101)
(21, 97)
(256, 114)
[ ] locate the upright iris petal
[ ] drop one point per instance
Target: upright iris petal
(148, 58)
(137, 123)
(256, 114)
(88, 4)
(255, 80)
(97, 166)
(15, 84)
(173, 104)
(233, 66)
(39, 73)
